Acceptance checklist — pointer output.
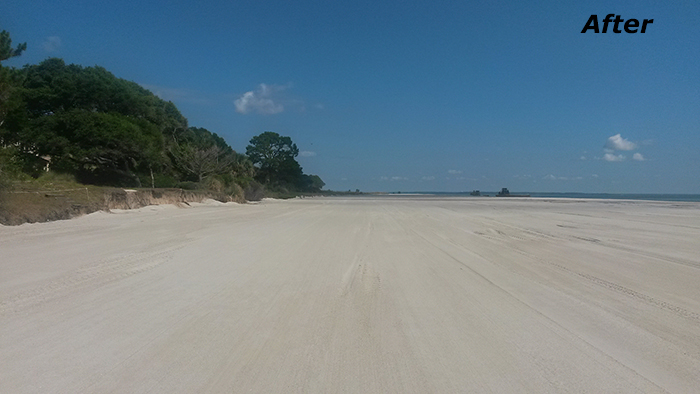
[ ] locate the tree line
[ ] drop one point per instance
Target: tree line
(105, 130)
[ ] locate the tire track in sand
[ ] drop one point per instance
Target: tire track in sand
(91, 276)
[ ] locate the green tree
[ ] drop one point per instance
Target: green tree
(52, 86)
(6, 50)
(198, 153)
(274, 156)
(10, 98)
(92, 124)
(102, 148)
(203, 138)
(313, 183)
(107, 130)
(8, 78)
(289, 174)
(199, 163)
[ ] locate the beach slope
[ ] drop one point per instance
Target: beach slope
(358, 295)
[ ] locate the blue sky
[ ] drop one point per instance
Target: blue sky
(412, 95)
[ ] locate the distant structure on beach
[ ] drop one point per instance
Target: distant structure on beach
(505, 193)
(475, 193)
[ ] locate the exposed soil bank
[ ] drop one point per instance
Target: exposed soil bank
(43, 206)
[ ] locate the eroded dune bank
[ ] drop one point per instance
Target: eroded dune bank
(358, 295)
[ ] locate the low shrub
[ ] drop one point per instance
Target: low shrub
(254, 191)
(187, 185)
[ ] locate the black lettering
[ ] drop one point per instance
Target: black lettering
(630, 24)
(617, 23)
(591, 24)
(608, 19)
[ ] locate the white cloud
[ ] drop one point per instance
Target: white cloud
(428, 178)
(613, 157)
(551, 177)
(638, 157)
(616, 142)
(393, 178)
(454, 171)
(307, 153)
(52, 44)
(594, 175)
(264, 100)
(583, 157)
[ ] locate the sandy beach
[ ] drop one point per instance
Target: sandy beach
(409, 294)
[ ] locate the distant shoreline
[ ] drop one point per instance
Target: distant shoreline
(596, 196)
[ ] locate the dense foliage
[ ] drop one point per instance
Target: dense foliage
(274, 157)
(86, 122)
(6, 50)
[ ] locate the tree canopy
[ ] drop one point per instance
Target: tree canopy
(6, 50)
(8, 78)
(106, 130)
(102, 128)
(269, 149)
(198, 153)
(274, 155)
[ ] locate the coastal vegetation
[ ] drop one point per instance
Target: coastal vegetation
(86, 124)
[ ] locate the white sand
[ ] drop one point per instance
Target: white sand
(357, 295)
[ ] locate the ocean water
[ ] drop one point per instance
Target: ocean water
(614, 196)
(611, 196)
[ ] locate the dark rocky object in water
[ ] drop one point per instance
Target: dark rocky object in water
(505, 193)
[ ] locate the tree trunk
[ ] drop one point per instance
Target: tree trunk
(153, 180)
(131, 174)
